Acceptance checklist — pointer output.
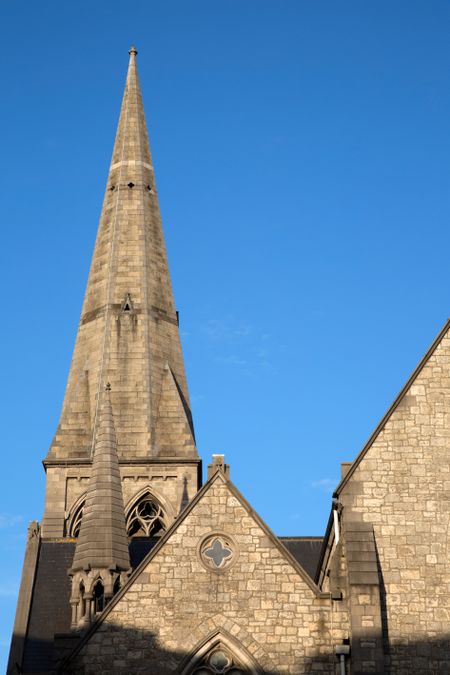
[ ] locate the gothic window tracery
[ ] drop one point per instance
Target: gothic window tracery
(219, 661)
(146, 518)
(74, 524)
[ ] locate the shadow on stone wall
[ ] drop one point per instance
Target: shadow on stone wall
(130, 652)
(383, 605)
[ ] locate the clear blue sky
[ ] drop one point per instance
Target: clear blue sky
(302, 153)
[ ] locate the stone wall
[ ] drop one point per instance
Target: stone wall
(402, 486)
(174, 485)
(262, 599)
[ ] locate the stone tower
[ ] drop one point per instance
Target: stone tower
(123, 462)
(127, 336)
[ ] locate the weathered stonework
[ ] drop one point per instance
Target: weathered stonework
(401, 486)
(127, 335)
(173, 602)
(173, 484)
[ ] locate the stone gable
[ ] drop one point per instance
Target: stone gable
(174, 601)
(401, 484)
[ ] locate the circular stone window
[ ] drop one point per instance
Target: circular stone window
(218, 551)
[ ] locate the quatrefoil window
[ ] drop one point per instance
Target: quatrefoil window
(218, 551)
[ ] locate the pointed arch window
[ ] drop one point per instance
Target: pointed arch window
(219, 660)
(146, 518)
(74, 521)
(82, 604)
(99, 597)
(220, 654)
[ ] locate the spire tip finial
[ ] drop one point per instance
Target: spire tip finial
(133, 51)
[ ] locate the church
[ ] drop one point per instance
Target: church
(137, 567)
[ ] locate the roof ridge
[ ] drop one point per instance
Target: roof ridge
(301, 537)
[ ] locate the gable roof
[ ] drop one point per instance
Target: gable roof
(392, 408)
(50, 611)
(218, 475)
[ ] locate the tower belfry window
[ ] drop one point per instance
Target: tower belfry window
(146, 518)
(74, 522)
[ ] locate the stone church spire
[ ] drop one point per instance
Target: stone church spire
(101, 557)
(128, 330)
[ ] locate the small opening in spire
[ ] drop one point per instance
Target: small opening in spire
(113, 187)
(127, 305)
(131, 185)
(149, 188)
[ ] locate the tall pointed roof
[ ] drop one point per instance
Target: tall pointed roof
(128, 330)
(103, 542)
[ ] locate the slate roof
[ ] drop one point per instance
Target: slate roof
(50, 608)
(139, 548)
(306, 551)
